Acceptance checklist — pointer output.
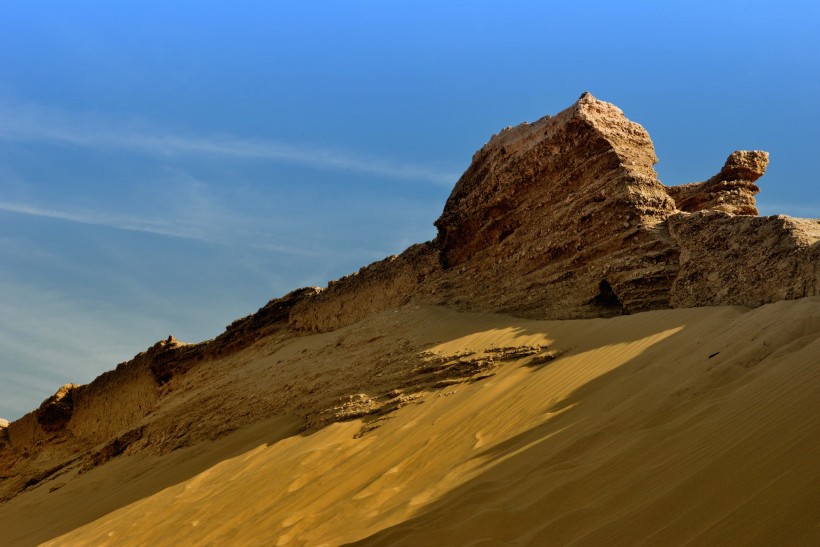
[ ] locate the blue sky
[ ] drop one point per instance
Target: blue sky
(168, 167)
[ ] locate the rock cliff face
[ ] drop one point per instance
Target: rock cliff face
(561, 218)
(744, 260)
(567, 214)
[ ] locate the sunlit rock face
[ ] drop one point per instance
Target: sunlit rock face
(563, 218)
(566, 218)
(744, 260)
(732, 190)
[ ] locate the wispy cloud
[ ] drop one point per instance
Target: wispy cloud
(121, 222)
(42, 124)
(194, 230)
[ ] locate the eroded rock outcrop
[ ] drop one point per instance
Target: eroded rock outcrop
(56, 411)
(386, 284)
(83, 426)
(732, 190)
(561, 218)
(555, 213)
(566, 218)
(744, 260)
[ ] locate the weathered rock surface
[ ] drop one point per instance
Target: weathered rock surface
(386, 284)
(55, 412)
(744, 260)
(566, 218)
(732, 190)
(561, 218)
(87, 425)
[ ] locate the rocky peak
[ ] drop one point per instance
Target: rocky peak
(553, 160)
(570, 201)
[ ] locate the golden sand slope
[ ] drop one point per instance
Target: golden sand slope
(670, 427)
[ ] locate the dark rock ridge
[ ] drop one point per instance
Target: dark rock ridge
(561, 218)
(56, 411)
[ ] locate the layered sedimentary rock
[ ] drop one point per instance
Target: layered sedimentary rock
(744, 260)
(561, 218)
(732, 190)
(386, 284)
(56, 411)
(83, 426)
(565, 218)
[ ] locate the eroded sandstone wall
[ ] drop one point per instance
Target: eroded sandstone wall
(25, 432)
(115, 401)
(744, 260)
(103, 419)
(386, 284)
(550, 212)
(561, 218)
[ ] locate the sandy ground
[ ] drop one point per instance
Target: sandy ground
(694, 426)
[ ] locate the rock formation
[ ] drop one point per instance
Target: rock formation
(744, 260)
(386, 284)
(566, 218)
(56, 411)
(561, 218)
(732, 190)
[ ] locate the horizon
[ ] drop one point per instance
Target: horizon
(165, 170)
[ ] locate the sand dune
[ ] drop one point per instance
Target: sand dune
(666, 427)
